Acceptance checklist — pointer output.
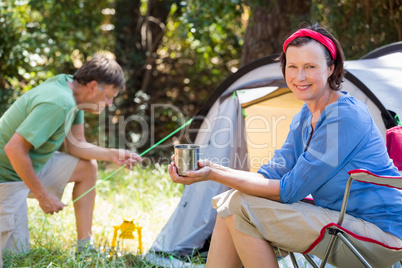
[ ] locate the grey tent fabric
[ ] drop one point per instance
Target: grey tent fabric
(383, 77)
(196, 202)
(221, 134)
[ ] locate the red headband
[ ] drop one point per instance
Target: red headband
(327, 42)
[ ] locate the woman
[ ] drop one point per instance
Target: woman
(332, 134)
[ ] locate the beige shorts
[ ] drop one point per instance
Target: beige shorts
(291, 227)
(13, 205)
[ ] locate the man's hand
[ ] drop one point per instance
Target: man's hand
(125, 157)
(50, 203)
(17, 150)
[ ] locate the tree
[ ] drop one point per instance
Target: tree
(173, 59)
(269, 24)
(139, 29)
(174, 53)
(361, 26)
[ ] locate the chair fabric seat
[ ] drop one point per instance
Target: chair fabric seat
(376, 253)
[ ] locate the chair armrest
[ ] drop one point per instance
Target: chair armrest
(365, 176)
(368, 177)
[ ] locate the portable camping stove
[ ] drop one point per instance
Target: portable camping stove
(127, 229)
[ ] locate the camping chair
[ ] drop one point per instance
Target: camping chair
(342, 248)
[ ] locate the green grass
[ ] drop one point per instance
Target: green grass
(147, 195)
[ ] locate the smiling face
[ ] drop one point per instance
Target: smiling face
(307, 73)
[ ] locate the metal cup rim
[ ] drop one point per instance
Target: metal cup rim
(187, 146)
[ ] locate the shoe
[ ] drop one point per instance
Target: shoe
(86, 247)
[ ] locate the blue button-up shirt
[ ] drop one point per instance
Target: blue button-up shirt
(345, 138)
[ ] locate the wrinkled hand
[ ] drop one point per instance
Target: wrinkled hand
(192, 176)
(50, 204)
(125, 157)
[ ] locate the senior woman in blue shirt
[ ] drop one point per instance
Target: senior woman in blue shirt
(332, 134)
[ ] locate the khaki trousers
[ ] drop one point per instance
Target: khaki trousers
(13, 201)
(291, 227)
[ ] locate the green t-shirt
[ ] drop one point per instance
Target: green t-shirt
(43, 116)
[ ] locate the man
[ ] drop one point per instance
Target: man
(31, 132)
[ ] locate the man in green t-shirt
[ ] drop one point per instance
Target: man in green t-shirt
(31, 132)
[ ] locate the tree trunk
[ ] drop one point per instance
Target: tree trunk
(137, 39)
(269, 25)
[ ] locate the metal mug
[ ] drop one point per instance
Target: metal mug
(186, 157)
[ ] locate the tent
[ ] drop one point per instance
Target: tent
(247, 117)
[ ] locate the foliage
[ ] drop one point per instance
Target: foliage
(145, 194)
(212, 31)
(35, 45)
(12, 24)
(269, 24)
(40, 39)
(169, 84)
(174, 53)
(369, 24)
(139, 26)
(200, 49)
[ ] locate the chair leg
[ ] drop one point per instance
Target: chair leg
(310, 260)
(353, 249)
(292, 257)
(328, 250)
